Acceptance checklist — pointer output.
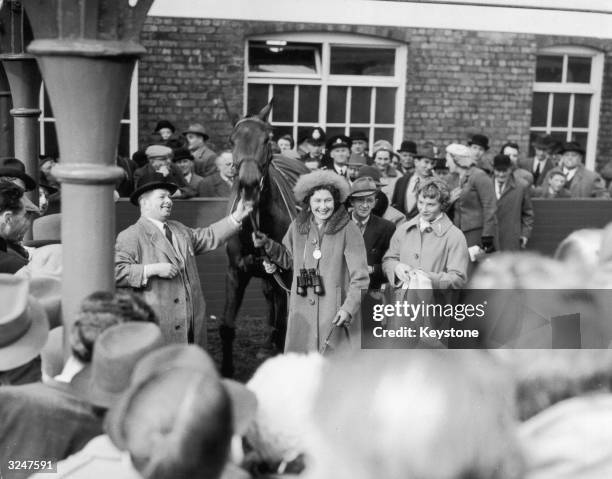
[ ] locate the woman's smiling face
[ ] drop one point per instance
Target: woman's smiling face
(322, 205)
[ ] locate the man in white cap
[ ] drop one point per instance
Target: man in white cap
(161, 168)
(156, 257)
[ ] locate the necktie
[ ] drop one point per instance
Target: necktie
(362, 226)
(168, 233)
(537, 171)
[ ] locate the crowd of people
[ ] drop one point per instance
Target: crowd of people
(138, 395)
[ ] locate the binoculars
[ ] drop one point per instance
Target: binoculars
(309, 278)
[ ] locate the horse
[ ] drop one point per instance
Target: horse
(266, 181)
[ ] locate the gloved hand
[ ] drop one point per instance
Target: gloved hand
(487, 244)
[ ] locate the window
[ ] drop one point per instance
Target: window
(566, 97)
(128, 133)
(339, 82)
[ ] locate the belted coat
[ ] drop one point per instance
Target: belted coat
(343, 269)
(178, 302)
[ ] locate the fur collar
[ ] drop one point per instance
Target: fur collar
(338, 220)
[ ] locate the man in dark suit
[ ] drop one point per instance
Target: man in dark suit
(183, 159)
(160, 168)
(404, 195)
(220, 183)
(376, 231)
(542, 161)
(514, 210)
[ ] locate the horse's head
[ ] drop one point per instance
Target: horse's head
(251, 152)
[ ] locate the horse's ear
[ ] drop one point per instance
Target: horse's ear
(265, 111)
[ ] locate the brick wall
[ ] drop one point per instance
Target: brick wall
(458, 82)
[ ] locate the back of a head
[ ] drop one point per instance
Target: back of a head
(415, 414)
(101, 310)
(178, 425)
(581, 247)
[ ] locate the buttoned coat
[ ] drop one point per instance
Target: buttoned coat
(514, 215)
(377, 236)
(178, 302)
(441, 252)
(344, 271)
(474, 211)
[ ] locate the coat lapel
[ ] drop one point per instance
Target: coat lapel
(158, 241)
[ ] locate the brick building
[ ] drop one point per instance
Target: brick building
(433, 70)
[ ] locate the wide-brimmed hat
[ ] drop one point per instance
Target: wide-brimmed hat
(462, 155)
(14, 168)
(383, 145)
(197, 129)
(46, 230)
(480, 140)
(359, 136)
(356, 160)
(150, 186)
(23, 323)
(115, 354)
(426, 151)
(408, 147)
(338, 141)
(370, 172)
(315, 135)
(164, 124)
(48, 291)
(306, 183)
(364, 186)
(182, 154)
(182, 357)
(572, 146)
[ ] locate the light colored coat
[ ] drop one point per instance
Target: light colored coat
(442, 253)
(178, 302)
(344, 270)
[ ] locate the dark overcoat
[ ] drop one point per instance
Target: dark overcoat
(514, 215)
(377, 235)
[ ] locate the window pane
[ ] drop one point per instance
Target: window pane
(579, 69)
(581, 138)
(560, 109)
(51, 145)
(334, 130)
(336, 104)
(559, 136)
(549, 68)
(257, 98)
(124, 141)
(283, 57)
(385, 105)
(362, 61)
(308, 110)
(283, 102)
(539, 109)
(383, 134)
(582, 106)
(282, 130)
(360, 104)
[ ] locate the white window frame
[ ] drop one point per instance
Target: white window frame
(592, 88)
(133, 120)
(325, 79)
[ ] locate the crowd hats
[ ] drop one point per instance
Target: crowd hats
(158, 151)
(115, 354)
(338, 141)
(306, 183)
(572, 146)
(356, 160)
(544, 142)
(370, 172)
(315, 135)
(480, 140)
(408, 147)
(383, 145)
(182, 154)
(164, 124)
(23, 323)
(462, 155)
(364, 186)
(150, 186)
(14, 168)
(502, 162)
(197, 129)
(177, 357)
(359, 136)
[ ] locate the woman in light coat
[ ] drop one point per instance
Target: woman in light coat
(429, 242)
(322, 239)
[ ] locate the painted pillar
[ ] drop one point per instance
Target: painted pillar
(86, 51)
(6, 122)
